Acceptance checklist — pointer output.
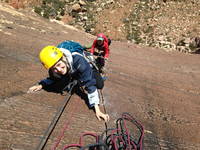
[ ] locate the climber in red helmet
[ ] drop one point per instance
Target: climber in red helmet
(100, 47)
(101, 43)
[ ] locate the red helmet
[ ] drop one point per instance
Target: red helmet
(100, 36)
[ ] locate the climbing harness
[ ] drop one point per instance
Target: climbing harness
(91, 60)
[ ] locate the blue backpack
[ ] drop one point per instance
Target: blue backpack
(71, 46)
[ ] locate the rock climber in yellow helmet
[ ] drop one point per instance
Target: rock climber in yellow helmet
(61, 64)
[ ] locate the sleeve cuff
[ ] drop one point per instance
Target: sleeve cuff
(93, 98)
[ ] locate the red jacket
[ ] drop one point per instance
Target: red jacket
(104, 47)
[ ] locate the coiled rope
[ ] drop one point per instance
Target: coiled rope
(120, 138)
(124, 136)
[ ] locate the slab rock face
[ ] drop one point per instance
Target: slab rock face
(160, 89)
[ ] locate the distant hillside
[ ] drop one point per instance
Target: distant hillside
(168, 24)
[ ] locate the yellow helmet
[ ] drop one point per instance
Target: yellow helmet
(50, 55)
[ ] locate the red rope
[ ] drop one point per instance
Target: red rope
(119, 137)
(62, 132)
(81, 144)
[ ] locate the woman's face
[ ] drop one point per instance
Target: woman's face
(60, 67)
(99, 42)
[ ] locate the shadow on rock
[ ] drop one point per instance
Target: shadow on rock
(64, 87)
